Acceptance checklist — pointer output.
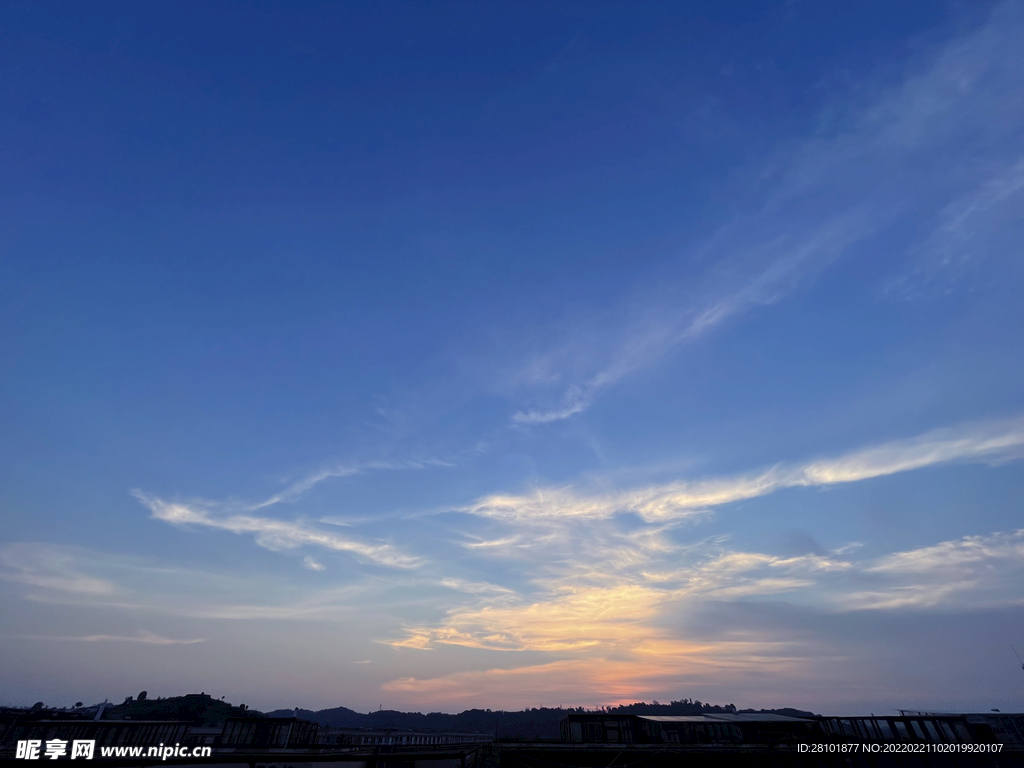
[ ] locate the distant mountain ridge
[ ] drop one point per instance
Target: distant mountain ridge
(536, 723)
(539, 723)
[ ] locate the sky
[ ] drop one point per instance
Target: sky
(432, 356)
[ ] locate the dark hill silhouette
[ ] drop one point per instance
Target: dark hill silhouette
(534, 723)
(196, 708)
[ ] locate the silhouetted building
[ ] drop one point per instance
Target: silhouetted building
(764, 728)
(268, 733)
(374, 737)
(686, 729)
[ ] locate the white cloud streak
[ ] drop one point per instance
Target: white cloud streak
(614, 642)
(987, 441)
(601, 590)
(276, 535)
(625, 612)
(860, 174)
(298, 488)
(950, 556)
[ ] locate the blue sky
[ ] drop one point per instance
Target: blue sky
(440, 355)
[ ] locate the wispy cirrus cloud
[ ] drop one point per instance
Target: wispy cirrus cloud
(579, 554)
(298, 488)
(953, 555)
(660, 328)
(630, 612)
(137, 586)
(974, 230)
(639, 638)
(273, 534)
(147, 638)
(50, 568)
(577, 619)
(281, 535)
(984, 441)
(616, 598)
(868, 169)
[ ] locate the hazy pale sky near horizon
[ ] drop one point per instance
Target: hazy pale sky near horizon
(451, 355)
